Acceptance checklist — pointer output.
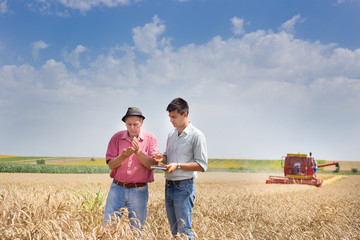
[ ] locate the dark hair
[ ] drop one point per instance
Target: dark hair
(178, 104)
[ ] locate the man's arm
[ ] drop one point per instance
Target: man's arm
(117, 161)
(190, 166)
(143, 158)
(159, 158)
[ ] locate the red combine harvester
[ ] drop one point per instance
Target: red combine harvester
(300, 169)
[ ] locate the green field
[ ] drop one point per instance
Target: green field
(45, 168)
(19, 164)
(21, 159)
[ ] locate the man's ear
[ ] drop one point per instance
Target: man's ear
(185, 114)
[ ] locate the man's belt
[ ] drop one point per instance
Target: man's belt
(129, 185)
(177, 182)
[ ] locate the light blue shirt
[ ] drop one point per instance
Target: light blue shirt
(190, 146)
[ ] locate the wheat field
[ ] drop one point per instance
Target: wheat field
(227, 206)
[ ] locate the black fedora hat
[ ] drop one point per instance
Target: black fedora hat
(133, 111)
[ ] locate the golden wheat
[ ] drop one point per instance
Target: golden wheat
(227, 206)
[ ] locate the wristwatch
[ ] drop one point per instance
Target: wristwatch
(179, 166)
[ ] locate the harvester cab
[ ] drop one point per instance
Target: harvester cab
(301, 169)
(299, 165)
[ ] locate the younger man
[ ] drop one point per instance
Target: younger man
(185, 154)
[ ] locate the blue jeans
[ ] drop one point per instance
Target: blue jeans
(179, 202)
(135, 199)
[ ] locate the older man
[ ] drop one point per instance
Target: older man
(129, 156)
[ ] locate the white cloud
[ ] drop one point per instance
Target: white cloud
(3, 7)
(289, 26)
(74, 57)
(62, 7)
(86, 5)
(257, 96)
(113, 71)
(238, 25)
(146, 38)
(36, 47)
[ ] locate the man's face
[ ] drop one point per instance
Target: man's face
(133, 125)
(177, 119)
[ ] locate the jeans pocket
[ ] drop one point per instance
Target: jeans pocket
(143, 189)
(185, 187)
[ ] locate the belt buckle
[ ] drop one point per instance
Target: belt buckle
(129, 185)
(172, 182)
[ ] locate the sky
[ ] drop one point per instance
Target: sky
(262, 78)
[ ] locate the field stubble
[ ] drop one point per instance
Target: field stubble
(228, 206)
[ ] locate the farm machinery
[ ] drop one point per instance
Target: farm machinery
(300, 169)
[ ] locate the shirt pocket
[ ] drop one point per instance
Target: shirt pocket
(187, 151)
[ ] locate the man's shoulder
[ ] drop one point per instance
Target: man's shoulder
(146, 134)
(195, 131)
(120, 134)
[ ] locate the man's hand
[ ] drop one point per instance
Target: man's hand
(136, 145)
(127, 152)
(158, 157)
(171, 167)
(117, 161)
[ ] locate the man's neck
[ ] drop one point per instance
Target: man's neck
(181, 129)
(132, 136)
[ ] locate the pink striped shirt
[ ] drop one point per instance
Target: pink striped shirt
(131, 170)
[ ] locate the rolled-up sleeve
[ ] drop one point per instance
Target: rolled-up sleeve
(154, 147)
(200, 151)
(112, 150)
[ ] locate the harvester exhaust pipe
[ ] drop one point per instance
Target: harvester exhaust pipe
(337, 165)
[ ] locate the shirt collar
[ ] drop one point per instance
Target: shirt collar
(126, 135)
(187, 130)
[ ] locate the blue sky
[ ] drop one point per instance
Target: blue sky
(263, 78)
